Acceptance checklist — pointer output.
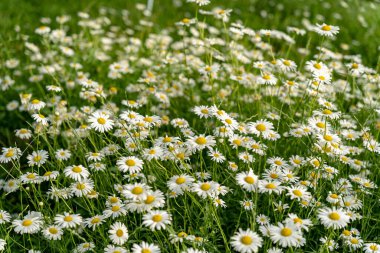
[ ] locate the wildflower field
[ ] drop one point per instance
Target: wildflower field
(190, 126)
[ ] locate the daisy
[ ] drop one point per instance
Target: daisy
(40, 118)
(157, 220)
(270, 187)
(354, 242)
(153, 153)
(333, 217)
(287, 65)
(267, 78)
(114, 249)
(118, 233)
(2, 244)
(201, 141)
(4, 216)
(202, 111)
(247, 180)
(50, 175)
(216, 156)
(137, 191)
(101, 122)
(277, 162)
(246, 241)
(23, 133)
(37, 157)
(154, 199)
(372, 248)
(62, 154)
(298, 222)
(115, 210)
(36, 105)
(130, 164)
(10, 154)
(299, 193)
(205, 189)
(94, 156)
(326, 30)
(53, 232)
(260, 127)
(180, 183)
(76, 172)
(82, 187)
(30, 177)
(287, 235)
(262, 219)
(322, 77)
(67, 220)
(28, 225)
(94, 221)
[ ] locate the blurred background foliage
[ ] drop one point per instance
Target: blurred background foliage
(358, 20)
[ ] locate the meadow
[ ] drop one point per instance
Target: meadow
(193, 126)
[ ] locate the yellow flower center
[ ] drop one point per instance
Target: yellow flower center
(81, 186)
(249, 180)
(237, 142)
(150, 199)
(101, 121)
(261, 127)
(27, 223)
(298, 193)
(10, 153)
(270, 186)
(320, 125)
(328, 137)
(286, 232)
(205, 186)
(48, 173)
(334, 216)
(119, 233)
(77, 169)
(326, 28)
(31, 176)
(157, 218)
(137, 190)
(246, 240)
(180, 180)
(201, 141)
(68, 218)
(95, 220)
(266, 77)
(130, 162)
(37, 158)
(146, 250)
(182, 234)
(35, 101)
(354, 241)
(115, 208)
(53, 231)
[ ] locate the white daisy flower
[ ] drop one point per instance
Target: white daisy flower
(101, 122)
(246, 241)
(118, 233)
(156, 220)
